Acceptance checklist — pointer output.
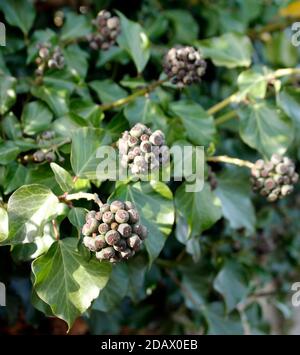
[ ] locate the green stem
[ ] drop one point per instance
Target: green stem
(132, 97)
(229, 160)
(82, 195)
(225, 118)
(279, 73)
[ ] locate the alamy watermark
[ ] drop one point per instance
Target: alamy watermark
(187, 164)
(296, 296)
(2, 34)
(2, 295)
(295, 39)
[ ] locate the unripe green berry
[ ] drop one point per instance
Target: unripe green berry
(98, 216)
(112, 237)
(129, 205)
(114, 226)
(145, 147)
(125, 230)
(286, 190)
(106, 253)
(133, 216)
(272, 197)
(134, 242)
(103, 228)
(105, 208)
(90, 227)
(122, 216)
(127, 253)
(89, 243)
(108, 217)
(121, 245)
(99, 242)
(90, 214)
(281, 168)
(116, 205)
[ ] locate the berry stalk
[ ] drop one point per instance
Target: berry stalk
(229, 160)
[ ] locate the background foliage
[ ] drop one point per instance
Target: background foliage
(212, 258)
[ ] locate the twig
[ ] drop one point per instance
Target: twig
(132, 97)
(55, 229)
(81, 195)
(229, 160)
(225, 118)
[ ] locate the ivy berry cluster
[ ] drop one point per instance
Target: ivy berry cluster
(184, 66)
(114, 232)
(48, 57)
(142, 150)
(42, 155)
(108, 28)
(274, 179)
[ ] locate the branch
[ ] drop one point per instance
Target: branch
(229, 160)
(81, 195)
(132, 97)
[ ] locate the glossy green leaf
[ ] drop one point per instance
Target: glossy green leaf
(135, 42)
(63, 177)
(76, 26)
(36, 117)
(252, 83)
(8, 152)
(77, 216)
(66, 281)
(19, 13)
(107, 90)
(7, 93)
(265, 128)
(201, 210)
(85, 143)
(185, 26)
(11, 126)
(230, 50)
(199, 125)
(3, 224)
(29, 208)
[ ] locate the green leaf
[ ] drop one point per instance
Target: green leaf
(56, 99)
(66, 281)
(11, 126)
(252, 83)
(234, 192)
(198, 124)
(19, 13)
(201, 210)
(76, 60)
(289, 101)
(265, 128)
(115, 290)
(7, 93)
(29, 208)
(77, 216)
(63, 178)
(89, 111)
(135, 42)
(8, 152)
(36, 117)
(137, 268)
(230, 50)
(231, 284)
(107, 90)
(154, 203)
(15, 177)
(85, 144)
(75, 26)
(3, 224)
(185, 26)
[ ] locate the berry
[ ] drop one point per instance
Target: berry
(116, 205)
(122, 216)
(109, 231)
(107, 30)
(112, 237)
(274, 179)
(39, 156)
(184, 65)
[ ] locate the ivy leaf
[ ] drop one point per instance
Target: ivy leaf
(36, 117)
(77, 216)
(252, 83)
(29, 208)
(137, 268)
(75, 26)
(19, 13)
(228, 279)
(11, 126)
(185, 26)
(7, 92)
(66, 281)
(265, 128)
(230, 50)
(198, 124)
(63, 178)
(134, 41)
(15, 177)
(234, 193)
(116, 288)
(289, 101)
(154, 203)
(201, 210)
(85, 143)
(3, 224)
(107, 90)
(76, 60)
(8, 152)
